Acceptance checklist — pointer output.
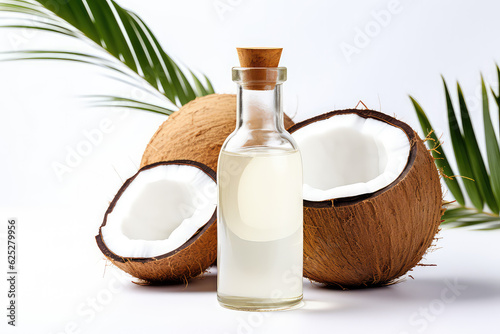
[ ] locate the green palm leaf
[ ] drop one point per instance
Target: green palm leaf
(438, 154)
(476, 160)
(464, 217)
(461, 154)
(497, 97)
(121, 102)
(492, 149)
(130, 47)
(479, 185)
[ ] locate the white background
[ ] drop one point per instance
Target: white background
(42, 121)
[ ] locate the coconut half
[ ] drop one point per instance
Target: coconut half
(372, 197)
(349, 155)
(161, 224)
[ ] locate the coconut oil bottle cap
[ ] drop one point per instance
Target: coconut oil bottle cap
(259, 57)
(259, 68)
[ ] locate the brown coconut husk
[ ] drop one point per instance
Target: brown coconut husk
(196, 131)
(187, 261)
(374, 239)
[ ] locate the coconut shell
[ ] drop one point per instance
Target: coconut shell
(187, 261)
(374, 239)
(196, 131)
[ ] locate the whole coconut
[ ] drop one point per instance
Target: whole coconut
(196, 131)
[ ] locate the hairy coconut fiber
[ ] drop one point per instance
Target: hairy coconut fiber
(374, 239)
(196, 131)
(187, 261)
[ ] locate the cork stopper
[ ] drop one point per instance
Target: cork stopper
(259, 78)
(259, 57)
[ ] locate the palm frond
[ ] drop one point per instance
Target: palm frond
(480, 186)
(130, 47)
(456, 216)
(497, 98)
(123, 102)
(476, 160)
(437, 151)
(492, 148)
(461, 154)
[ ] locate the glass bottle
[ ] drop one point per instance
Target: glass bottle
(260, 221)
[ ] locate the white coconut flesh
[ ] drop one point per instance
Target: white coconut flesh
(161, 209)
(348, 155)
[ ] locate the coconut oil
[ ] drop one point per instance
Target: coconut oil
(260, 228)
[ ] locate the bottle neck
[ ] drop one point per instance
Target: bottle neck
(260, 109)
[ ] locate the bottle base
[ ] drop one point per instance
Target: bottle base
(259, 304)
